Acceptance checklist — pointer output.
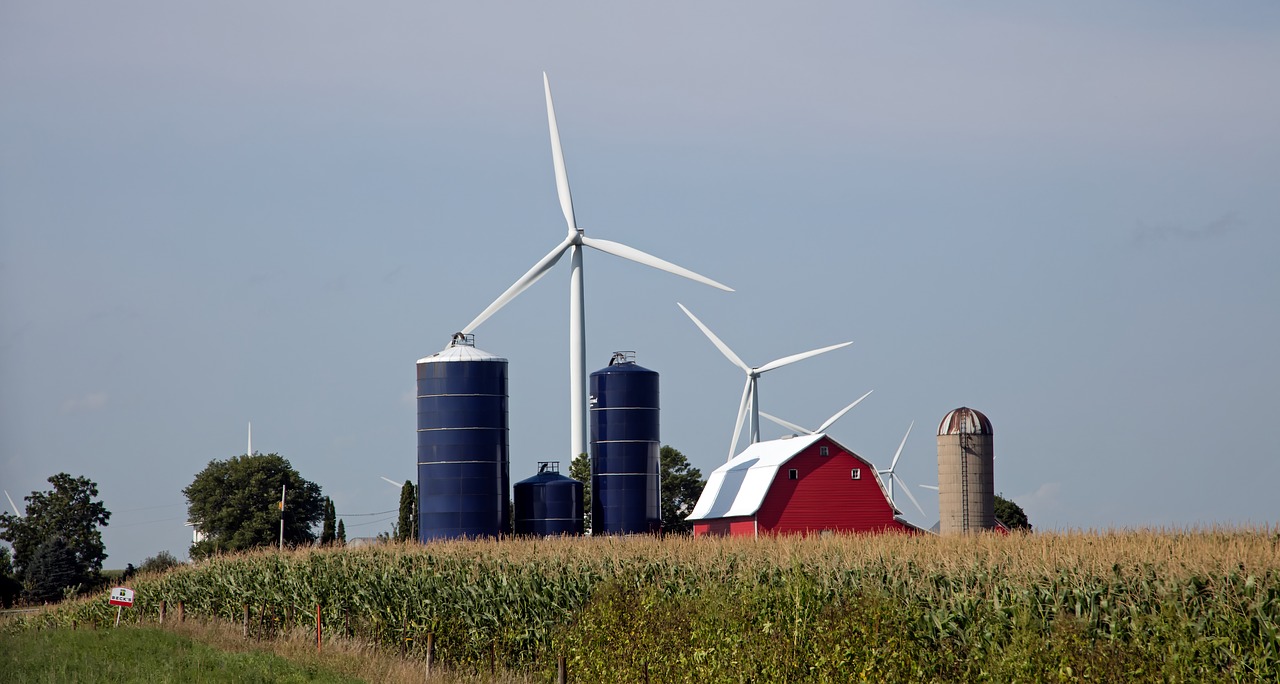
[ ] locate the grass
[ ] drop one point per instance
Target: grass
(142, 654)
(203, 652)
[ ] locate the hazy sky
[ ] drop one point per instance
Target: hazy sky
(1066, 217)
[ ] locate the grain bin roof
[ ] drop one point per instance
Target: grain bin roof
(964, 421)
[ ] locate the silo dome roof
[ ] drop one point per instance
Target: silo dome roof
(965, 421)
(461, 349)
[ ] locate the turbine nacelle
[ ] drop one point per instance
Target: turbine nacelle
(573, 244)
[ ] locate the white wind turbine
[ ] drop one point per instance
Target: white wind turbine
(573, 244)
(822, 428)
(888, 476)
(750, 394)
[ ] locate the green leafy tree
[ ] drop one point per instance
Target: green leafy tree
(161, 562)
(681, 487)
(1011, 514)
(68, 511)
(407, 522)
(580, 470)
(53, 570)
(236, 504)
(342, 534)
(327, 531)
(10, 587)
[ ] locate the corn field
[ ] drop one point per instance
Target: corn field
(1199, 605)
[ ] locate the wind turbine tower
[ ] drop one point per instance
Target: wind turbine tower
(573, 245)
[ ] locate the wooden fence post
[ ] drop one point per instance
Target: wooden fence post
(431, 651)
(562, 671)
(318, 627)
(246, 621)
(181, 613)
(164, 605)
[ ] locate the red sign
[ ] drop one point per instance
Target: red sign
(122, 596)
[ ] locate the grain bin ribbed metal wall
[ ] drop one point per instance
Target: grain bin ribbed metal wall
(463, 467)
(548, 504)
(625, 452)
(966, 489)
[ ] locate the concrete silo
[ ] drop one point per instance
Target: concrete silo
(966, 488)
(625, 452)
(463, 464)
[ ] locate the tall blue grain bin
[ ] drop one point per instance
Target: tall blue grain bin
(548, 504)
(463, 466)
(625, 496)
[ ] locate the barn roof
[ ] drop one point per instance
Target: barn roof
(738, 487)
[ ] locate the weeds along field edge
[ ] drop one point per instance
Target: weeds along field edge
(1145, 604)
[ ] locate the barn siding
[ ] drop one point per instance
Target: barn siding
(743, 526)
(826, 497)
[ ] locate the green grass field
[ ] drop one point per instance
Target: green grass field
(139, 654)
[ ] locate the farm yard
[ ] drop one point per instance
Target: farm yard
(1154, 605)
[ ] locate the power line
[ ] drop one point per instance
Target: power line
(359, 515)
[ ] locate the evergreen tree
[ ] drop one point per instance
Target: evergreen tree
(580, 470)
(327, 531)
(10, 587)
(407, 522)
(342, 534)
(52, 570)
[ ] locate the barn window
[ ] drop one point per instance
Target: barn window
(793, 474)
(856, 473)
(822, 451)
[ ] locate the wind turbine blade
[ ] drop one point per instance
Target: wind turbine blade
(539, 269)
(907, 490)
(15, 506)
(831, 421)
(898, 453)
(786, 360)
(557, 157)
(724, 349)
(933, 487)
(742, 413)
(620, 250)
(790, 426)
(393, 483)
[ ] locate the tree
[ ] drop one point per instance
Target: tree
(54, 568)
(342, 534)
(327, 532)
(67, 511)
(1011, 514)
(407, 523)
(10, 587)
(236, 504)
(161, 562)
(681, 487)
(580, 470)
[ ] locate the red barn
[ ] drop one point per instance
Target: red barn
(795, 485)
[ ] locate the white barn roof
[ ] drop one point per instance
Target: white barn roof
(738, 487)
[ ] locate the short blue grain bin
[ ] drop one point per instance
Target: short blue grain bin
(463, 464)
(548, 504)
(625, 496)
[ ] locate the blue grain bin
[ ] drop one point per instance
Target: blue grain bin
(463, 465)
(625, 496)
(548, 504)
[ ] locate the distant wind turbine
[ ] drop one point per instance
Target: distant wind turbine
(888, 476)
(11, 503)
(250, 447)
(573, 244)
(393, 483)
(750, 393)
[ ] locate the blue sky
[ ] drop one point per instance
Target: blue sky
(1064, 216)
